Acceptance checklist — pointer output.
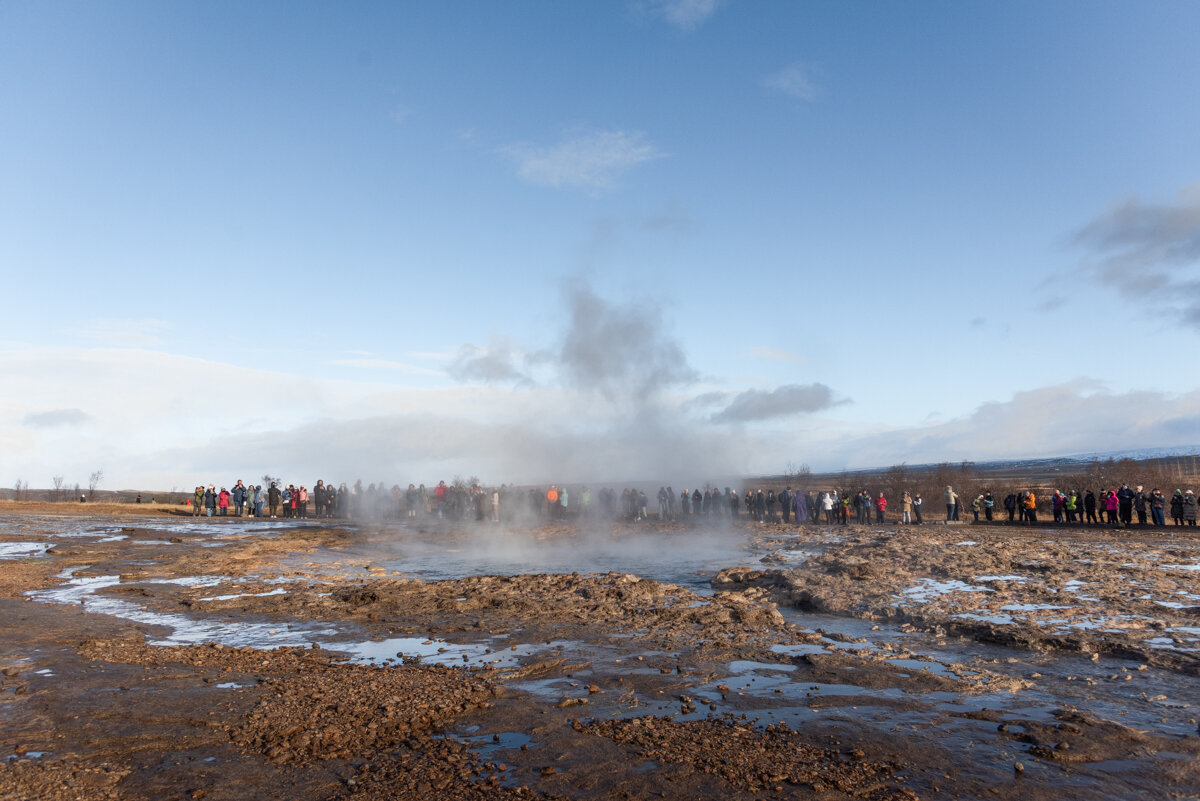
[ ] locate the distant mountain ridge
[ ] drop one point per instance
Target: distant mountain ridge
(1055, 464)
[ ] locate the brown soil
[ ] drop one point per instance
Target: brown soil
(1078, 589)
(582, 687)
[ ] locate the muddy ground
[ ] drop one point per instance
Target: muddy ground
(154, 657)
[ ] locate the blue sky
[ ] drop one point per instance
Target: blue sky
(592, 241)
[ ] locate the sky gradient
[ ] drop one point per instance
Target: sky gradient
(592, 241)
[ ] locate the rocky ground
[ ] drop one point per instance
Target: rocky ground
(150, 657)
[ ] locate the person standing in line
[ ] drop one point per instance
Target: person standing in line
(223, 502)
(1125, 497)
(198, 501)
(1112, 505)
(800, 507)
(318, 498)
(951, 502)
(273, 497)
(1177, 508)
(1189, 508)
(439, 492)
(1089, 507)
(1030, 507)
(1139, 505)
(1158, 506)
(239, 498)
(210, 500)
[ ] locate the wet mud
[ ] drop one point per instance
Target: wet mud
(155, 657)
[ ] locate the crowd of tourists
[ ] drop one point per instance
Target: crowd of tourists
(1111, 507)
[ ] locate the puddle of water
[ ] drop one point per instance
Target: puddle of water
(487, 745)
(1000, 620)
(184, 630)
(796, 555)
(18, 550)
(194, 581)
(279, 591)
(921, 666)
(689, 560)
(926, 589)
(397, 649)
(799, 649)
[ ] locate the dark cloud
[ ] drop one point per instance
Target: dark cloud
(620, 351)
(1140, 248)
(494, 364)
(58, 417)
(755, 404)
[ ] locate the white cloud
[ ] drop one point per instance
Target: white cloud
(153, 420)
(177, 421)
(774, 354)
(144, 333)
(56, 417)
(367, 363)
(794, 81)
(1079, 416)
(592, 161)
(687, 15)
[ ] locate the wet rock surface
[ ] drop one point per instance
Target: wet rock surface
(1088, 590)
(148, 658)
